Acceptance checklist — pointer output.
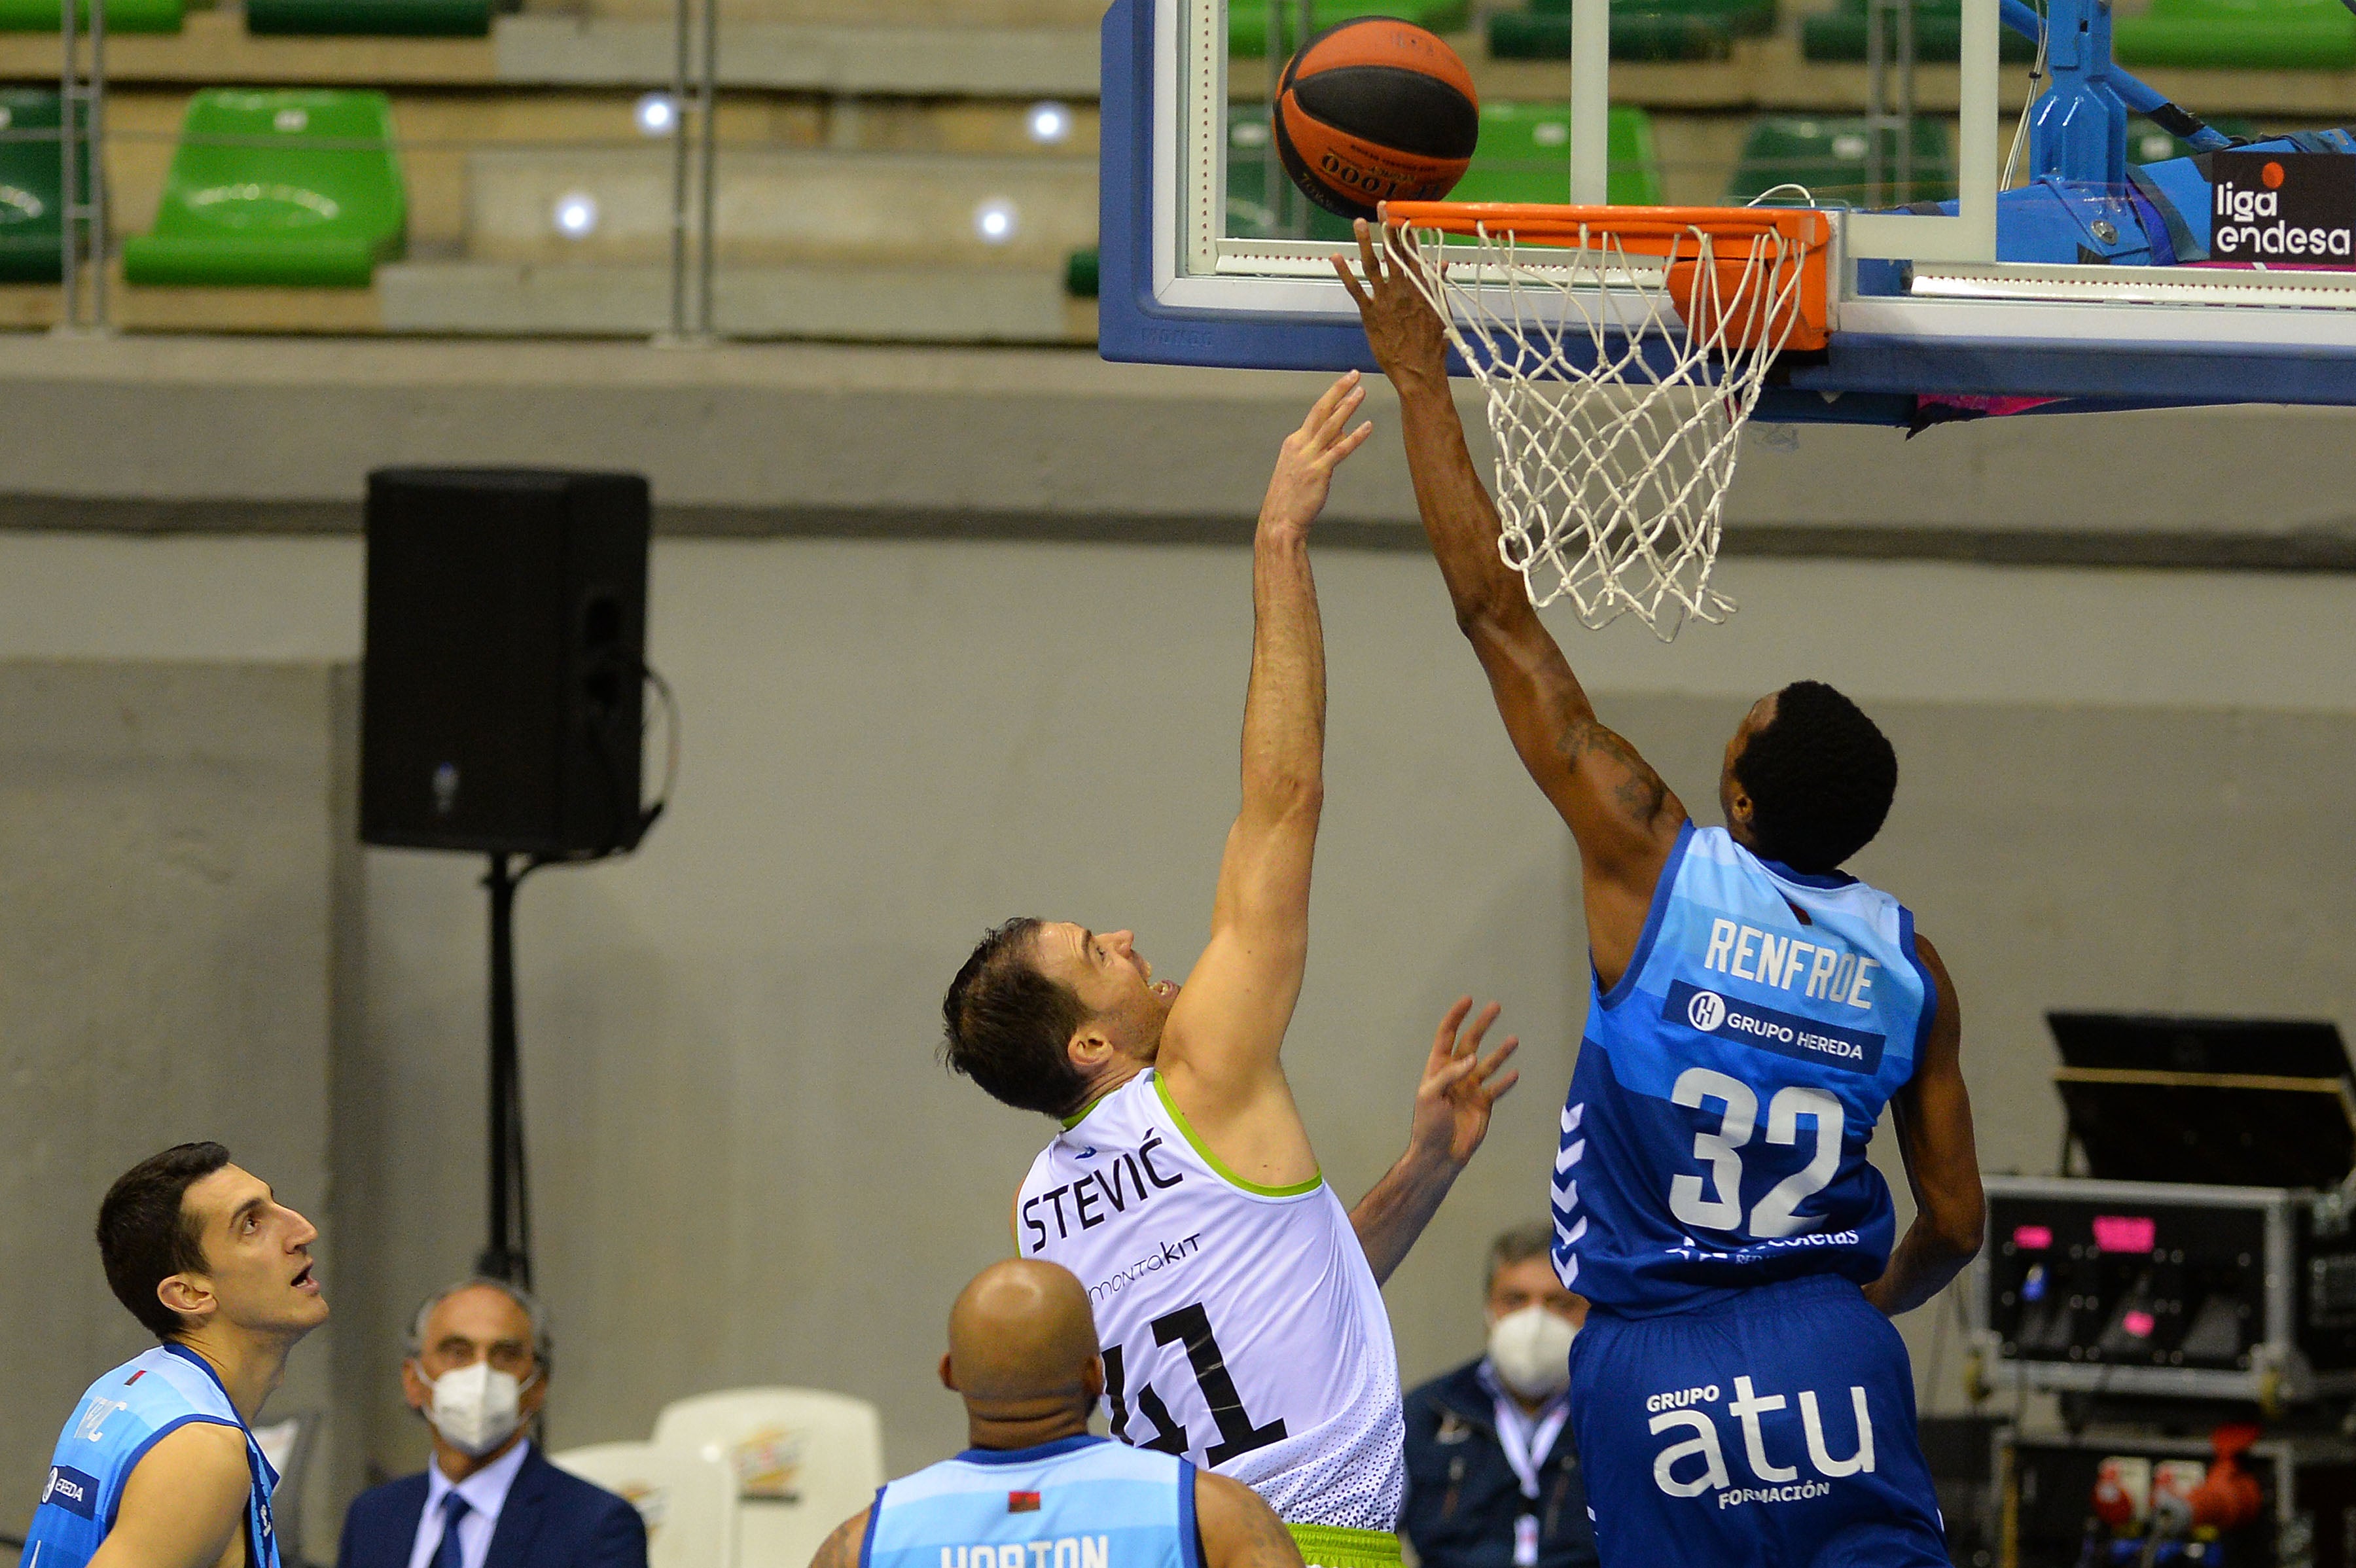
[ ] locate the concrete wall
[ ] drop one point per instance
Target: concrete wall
(2122, 788)
(173, 856)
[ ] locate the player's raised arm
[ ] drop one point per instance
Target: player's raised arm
(1934, 1117)
(1219, 1047)
(1623, 816)
(184, 1504)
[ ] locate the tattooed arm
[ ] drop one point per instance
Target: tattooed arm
(1239, 1530)
(841, 1550)
(1622, 815)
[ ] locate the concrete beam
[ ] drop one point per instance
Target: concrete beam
(278, 434)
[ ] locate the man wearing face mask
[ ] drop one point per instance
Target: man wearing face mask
(1492, 1474)
(477, 1373)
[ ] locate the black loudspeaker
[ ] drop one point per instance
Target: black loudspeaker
(501, 691)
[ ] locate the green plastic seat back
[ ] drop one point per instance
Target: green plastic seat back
(1523, 155)
(1248, 20)
(290, 164)
(1833, 158)
(2252, 13)
(32, 169)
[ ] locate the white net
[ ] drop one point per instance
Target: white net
(1617, 417)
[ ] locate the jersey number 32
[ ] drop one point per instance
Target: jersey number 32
(1191, 1326)
(1778, 1213)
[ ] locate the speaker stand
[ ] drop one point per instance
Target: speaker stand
(509, 1254)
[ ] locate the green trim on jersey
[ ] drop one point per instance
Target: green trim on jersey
(1085, 1112)
(1329, 1546)
(1218, 1166)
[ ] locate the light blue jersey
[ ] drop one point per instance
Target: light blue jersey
(125, 1414)
(1727, 1087)
(1079, 1502)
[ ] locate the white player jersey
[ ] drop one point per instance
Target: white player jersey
(1241, 1325)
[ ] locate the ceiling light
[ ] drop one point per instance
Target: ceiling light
(576, 215)
(995, 222)
(657, 115)
(1048, 122)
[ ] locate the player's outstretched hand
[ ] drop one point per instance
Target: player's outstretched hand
(1460, 1086)
(1304, 470)
(1401, 326)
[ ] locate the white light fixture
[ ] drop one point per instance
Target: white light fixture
(1250, 133)
(995, 221)
(657, 115)
(576, 215)
(291, 120)
(1048, 122)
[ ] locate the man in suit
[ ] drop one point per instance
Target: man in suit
(1492, 1476)
(478, 1372)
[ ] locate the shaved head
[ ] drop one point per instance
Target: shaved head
(1022, 1352)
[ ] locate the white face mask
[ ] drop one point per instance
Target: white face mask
(1531, 1350)
(475, 1408)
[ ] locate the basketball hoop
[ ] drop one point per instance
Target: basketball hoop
(1622, 350)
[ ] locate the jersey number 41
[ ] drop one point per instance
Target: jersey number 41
(1189, 1324)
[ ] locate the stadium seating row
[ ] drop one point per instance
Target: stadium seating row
(320, 18)
(2261, 35)
(304, 188)
(2289, 35)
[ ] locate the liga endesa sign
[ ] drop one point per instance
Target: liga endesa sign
(2282, 208)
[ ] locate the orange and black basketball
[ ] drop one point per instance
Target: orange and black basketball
(1376, 109)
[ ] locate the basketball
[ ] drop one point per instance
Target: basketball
(1376, 109)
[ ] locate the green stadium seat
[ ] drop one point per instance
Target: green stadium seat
(122, 16)
(2147, 143)
(32, 187)
(1829, 157)
(1080, 273)
(297, 188)
(369, 18)
(1525, 155)
(2249, 35)
(1248, 20)
(1841, 34)
(1653, 31)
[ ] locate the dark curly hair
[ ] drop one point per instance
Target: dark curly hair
(146, 1234)
(1820, 776)
(1009, 1026)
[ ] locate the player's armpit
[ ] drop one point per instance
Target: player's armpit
(1933, 1115)
(1239, 1528)
(841, 1550)
(184, 1506)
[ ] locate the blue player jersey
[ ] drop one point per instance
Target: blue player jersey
(1727, 1086)
(122, 1416)
(1079, 1502)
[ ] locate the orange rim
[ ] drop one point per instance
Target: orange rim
(1799, 319)
(1645, 229)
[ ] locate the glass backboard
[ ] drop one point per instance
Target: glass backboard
(1997, 252)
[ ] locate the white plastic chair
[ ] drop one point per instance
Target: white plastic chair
(683, 1498)
(803, 1461)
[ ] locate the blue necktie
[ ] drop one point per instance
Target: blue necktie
(450, 1554)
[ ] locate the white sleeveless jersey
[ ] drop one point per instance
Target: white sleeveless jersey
(1241, 1325)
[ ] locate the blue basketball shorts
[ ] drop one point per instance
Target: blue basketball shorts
(1776, 1427)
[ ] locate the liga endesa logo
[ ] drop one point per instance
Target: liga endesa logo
(2283, 207)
